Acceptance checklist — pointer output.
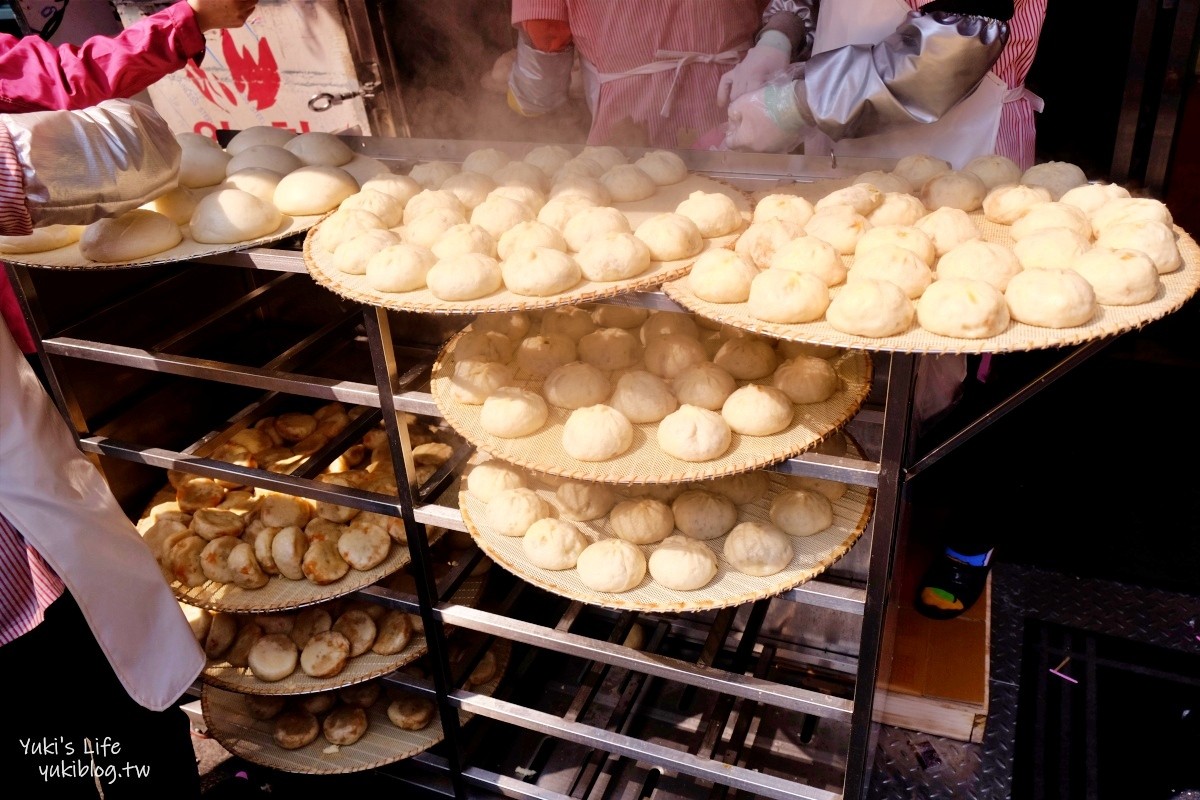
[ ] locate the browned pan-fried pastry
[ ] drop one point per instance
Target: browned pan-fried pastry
(309, 622)
(247, 636)
(360, 695)
(214, 558)
(323, 564)
(195, 493)
(345, 725)
(263, 706)
(318, 703)
(287, 549)
(273, 657)
(221, 632)
(209, 523)
(393, 633)
(364, 548)
(295, 426)
(244, 568)
(410, 712)
(295, 729)
(358, 628)
(325, 654)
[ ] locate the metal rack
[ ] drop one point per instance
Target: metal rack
(698, 710)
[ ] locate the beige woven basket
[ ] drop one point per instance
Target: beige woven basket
(383, 743)
(645, 462)
(1177, 288)
(355, 287)
(359, 668)
(70, 257)
(812, 554)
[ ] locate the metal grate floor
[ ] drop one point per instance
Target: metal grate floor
(919, 766)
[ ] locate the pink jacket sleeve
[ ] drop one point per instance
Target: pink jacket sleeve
(523, 10)
(38, 76)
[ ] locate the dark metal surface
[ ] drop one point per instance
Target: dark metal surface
(1021, 595)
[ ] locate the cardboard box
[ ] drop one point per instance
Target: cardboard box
(938, 682)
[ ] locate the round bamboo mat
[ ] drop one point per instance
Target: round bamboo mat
(1177, 288)
(355, 287)
(284, 594)
(383, 743)
(812, 555)
(358, 669)
(645, 462)
(70, 257)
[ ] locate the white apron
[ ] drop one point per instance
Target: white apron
(62, 506)
(965, 132)
(665, 60)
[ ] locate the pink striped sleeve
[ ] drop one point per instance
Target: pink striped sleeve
(27, 585)
(523, 10)
(14, 215)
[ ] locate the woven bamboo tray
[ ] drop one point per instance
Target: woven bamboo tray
(283, 594)
(360, 668)
(1177, 288)
(354, 287)
(69, 257)
(383, 743)
(645, 462)
(812, 555)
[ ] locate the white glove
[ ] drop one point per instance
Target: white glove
(767, 120)
(101, 161)
(766, 59)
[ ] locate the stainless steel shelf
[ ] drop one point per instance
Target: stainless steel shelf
(394, 389)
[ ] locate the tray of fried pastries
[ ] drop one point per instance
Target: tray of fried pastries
(665, 547)
(267, 184)
(987, 259)
(503, 234)
(327, 646)
(623, 395)
(356, 728)
(226, 547)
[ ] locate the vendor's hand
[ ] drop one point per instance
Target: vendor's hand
(213, 14)
(765, 60)
(766, 120)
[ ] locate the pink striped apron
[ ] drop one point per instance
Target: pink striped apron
(651, 67)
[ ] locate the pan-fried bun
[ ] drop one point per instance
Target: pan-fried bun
(325, 654)
(360, 695)
(359, 630)
(247, 636)
(393, 634)
(209, 523)
(309, 622)
(364, 548)
(263, 706)
(295, 729)
(183, 560)
(318, 703)
(214, 558)
(288, 547)
(244, 568)
(323, 564)
(221, 633)
(273, 657)
(345, 725)
(410, 712)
